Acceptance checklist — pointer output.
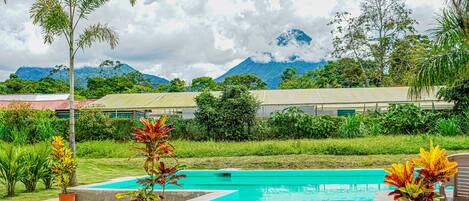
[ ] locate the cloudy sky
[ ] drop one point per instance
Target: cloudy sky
(184, 38)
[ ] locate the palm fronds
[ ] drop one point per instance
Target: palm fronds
(448, 62)
(98, 33)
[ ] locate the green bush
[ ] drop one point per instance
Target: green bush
(372, 124)
(316, 127)
(94, 125)
(187, 129)
(405, 119)
(351, 127)
(232, 116)
(35, 163)
(19, 136)
(11, 168)
(122, 129)
(21, 124)
(464, 121)
(285, 123)
(448, 127)
(293, 123)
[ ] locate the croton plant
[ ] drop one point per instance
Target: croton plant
(156, 150)
(433, 167)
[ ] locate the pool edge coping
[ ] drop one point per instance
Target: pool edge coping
(210, 194)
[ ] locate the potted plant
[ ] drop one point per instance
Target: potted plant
(154, 149)
(434, 167)
(63, 164)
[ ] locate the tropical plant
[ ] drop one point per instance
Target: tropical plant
(11, 168)
(351, 127)
(458, 94)
(35, 164)
(448, 127)
(434, 167)
(285, 123)
(324, 126)
(155, 149)
(229, 117)
(448, 63)
(405, 119)
(47, 175)
(93, 124)
(61, 18)
(63, 163)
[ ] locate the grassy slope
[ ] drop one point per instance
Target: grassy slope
(101, 161)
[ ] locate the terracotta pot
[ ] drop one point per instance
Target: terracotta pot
(67, 196)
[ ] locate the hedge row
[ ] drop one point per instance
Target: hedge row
(29, 126)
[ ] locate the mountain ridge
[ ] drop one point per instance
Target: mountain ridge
(81, 74)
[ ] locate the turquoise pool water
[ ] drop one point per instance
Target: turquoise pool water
(281, 185)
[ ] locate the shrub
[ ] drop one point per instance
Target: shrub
(404, 119)
(152, 136)
(464, 121)
(35, 164)
(187, 129)
(19, 136)
(285, 123)
(229, 117)
(3, 130)
(21, 124)
(122, 129)
(351, 127)
(323, 126)
(44, 129)
(94, 125)
(63, 163)
(262, 130)
(434, 167)
(11, 167)
(448, 127)
(458, 94)
(372, 124)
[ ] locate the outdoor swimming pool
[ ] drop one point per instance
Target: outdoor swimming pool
(280, 185)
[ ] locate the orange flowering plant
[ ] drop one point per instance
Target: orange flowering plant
(420, 185)
(155, 149)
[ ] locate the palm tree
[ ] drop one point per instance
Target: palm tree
(448, 62)
(60, 18)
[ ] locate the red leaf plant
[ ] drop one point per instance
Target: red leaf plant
(155, 150)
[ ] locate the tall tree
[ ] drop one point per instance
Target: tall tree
(405, 59)
(350, 40)
(448, 63)
(372, 34)
(176, 85)
(385, 22)
(248, 80)
(204, 83)
(288, 74)
(61, 18)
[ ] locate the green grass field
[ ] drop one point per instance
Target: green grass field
(359, 146)
(101, 161)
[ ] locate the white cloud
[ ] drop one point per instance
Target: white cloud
(185, 38)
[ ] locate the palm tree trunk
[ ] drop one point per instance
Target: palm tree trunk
(11, 189)
(73, 176)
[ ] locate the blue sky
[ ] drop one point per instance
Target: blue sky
(186, 38)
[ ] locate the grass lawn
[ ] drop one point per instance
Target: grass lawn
(379, 145)
(101, 161)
